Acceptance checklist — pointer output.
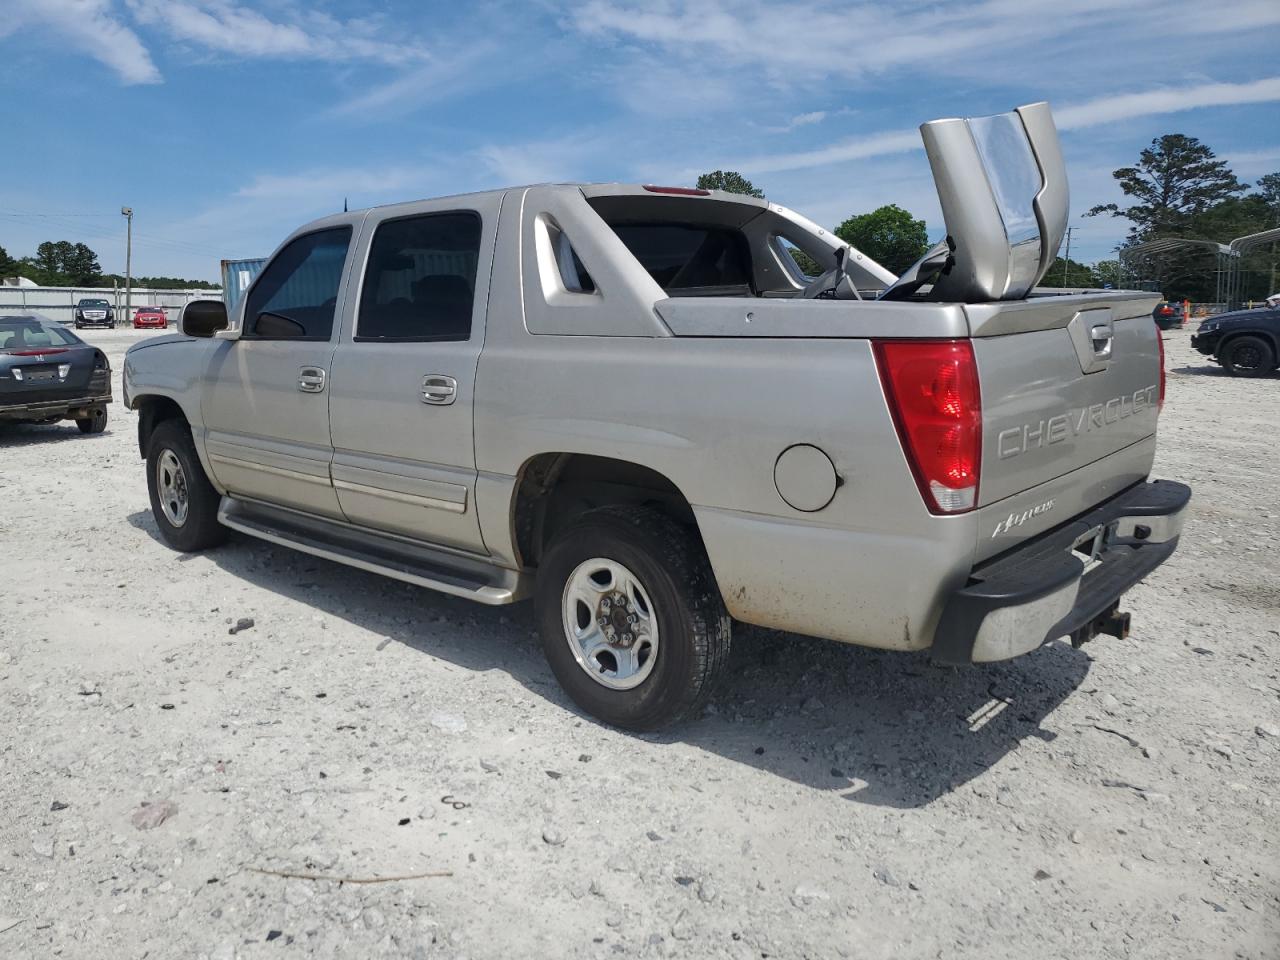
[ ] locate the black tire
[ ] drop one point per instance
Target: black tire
(96, 422)
(693, 626)
(200, 529)
(1248, 357)
(79, 325)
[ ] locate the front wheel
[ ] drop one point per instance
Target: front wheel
(95, 422)
(183, 501)
(631, 620)
(1248, 357)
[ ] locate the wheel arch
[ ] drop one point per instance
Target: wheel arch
(153, 410)
(552, 488)
(1270, 336)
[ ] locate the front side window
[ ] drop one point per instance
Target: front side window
(421, 277)
(296, 295)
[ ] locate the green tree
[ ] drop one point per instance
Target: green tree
(889, 235)
(731, 181)
(1070, 273)
(160, 283)
(1176, 179)
(8, 265)
(60, 263)
(1108, 272)
(1269, 190)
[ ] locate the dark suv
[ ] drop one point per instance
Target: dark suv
(94, 313)
(1245, 342)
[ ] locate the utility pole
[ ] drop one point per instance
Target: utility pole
(1066, 260)
(127, 213)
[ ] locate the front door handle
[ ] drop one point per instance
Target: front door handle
(439, 390)
(311, 379)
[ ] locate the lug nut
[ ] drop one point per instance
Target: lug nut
(605, 604)
(632, 618)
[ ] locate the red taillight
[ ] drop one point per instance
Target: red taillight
(1160, 340)
(933, 394)
(679, 191)
(47, 352)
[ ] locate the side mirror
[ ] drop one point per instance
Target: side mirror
(203, 318)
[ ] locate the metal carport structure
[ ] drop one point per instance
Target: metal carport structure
(1229, 279)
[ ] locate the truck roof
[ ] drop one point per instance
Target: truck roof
(589, 190)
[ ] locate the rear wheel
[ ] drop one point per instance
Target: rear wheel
(631, 621)
(183, 502)
(1248, 357)
(95, 422)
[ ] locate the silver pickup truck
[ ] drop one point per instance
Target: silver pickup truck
(637, 405)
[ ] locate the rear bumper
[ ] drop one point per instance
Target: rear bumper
(50, 408)
(1040, 591)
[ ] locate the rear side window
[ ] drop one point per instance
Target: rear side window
(685, 257)
(296, 295)
(421, 278)
(14, 335)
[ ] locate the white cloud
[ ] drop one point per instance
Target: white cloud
(225, 27)
(440, 77)
(1250, 162)
(309, 185)
(1101, 110)
(565, 160)
(1126, 106)
(91, 28)
(803, 40)
(835, 39)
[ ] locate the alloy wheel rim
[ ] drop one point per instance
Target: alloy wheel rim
(1247, 357)
(610, 624)
(171, 485)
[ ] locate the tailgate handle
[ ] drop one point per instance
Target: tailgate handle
(1101, 334)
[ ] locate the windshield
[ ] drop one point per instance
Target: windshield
(28, 333)
(94, 304)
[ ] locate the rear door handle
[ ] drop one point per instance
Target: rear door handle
(311, 379)
(439, 390)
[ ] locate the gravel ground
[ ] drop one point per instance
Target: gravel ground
(1114, 801)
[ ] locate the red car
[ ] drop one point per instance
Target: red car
(145, 317)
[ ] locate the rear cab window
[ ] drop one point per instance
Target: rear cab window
(690, 257)
(707, 247)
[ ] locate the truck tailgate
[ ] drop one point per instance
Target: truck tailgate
(1067, 382)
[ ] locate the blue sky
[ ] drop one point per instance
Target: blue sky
(227, 123)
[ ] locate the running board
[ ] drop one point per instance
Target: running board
(451, 573)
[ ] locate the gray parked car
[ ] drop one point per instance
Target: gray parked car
(631, 403)
(48, 374)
